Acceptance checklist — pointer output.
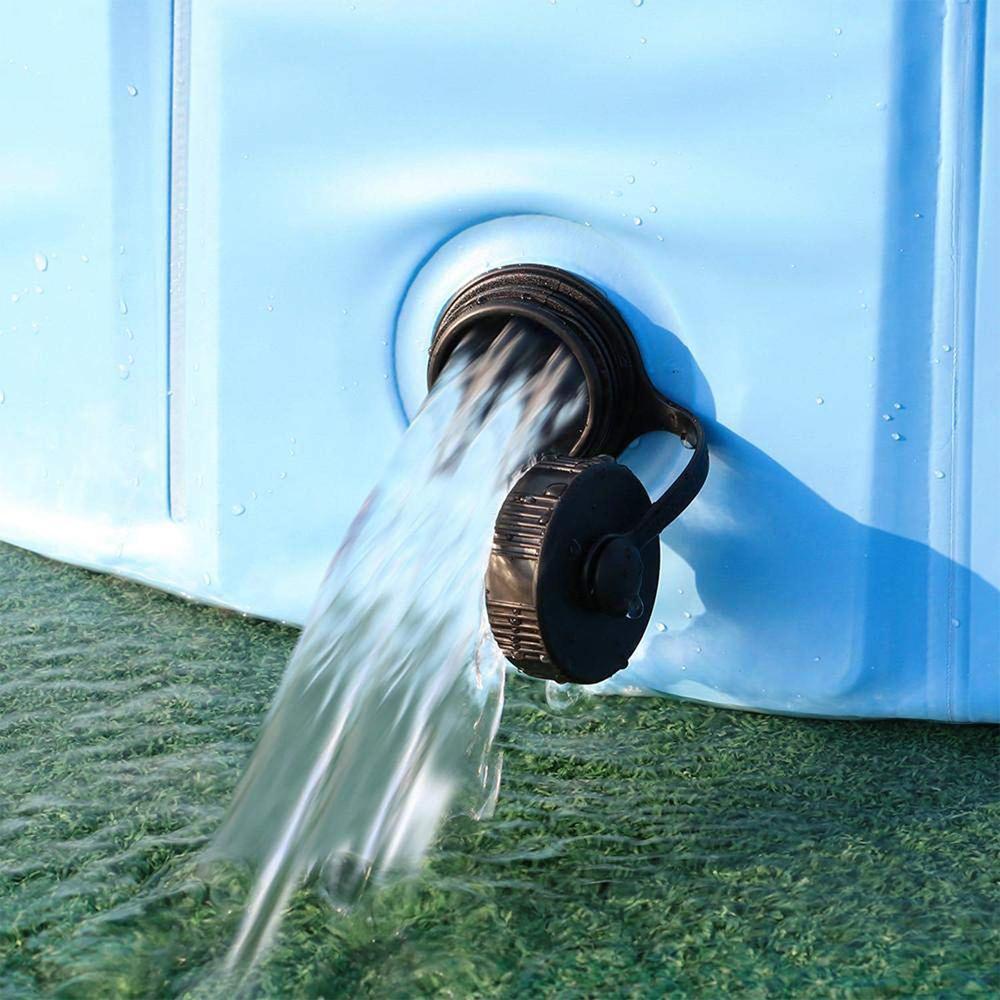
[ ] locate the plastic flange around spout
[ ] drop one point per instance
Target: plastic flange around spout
(573, 570)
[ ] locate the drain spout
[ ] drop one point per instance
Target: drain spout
(573, 571)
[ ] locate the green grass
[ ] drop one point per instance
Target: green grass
(641, 847)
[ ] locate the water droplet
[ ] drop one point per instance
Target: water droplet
(653, 209)
(918, 215)
(282, 475)
(642, 41)
(3, 397)
(880, 105)
(635, 608)
(955, 623)
(637, 221)
(896, 436)
(659, 238)
(206, 579)
(560, 696)
(123, 372)
(660, 627)
(129, 333)
(820, 400)
(946, 348)
(685, 443)
(636, 3)
(697, 649)
(897, 406)
(41, 262)
(938, 474)
(680, 590)
(132, 90)
(84, 258)
(838, 31)
(269, 307)
(630, 179)
(238, 509)
(15, 297)
(687, 614)
(887, 416)
(123, 307)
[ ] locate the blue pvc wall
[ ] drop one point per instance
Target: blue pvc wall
(794, 205)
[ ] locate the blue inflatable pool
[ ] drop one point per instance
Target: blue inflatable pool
(228, 229)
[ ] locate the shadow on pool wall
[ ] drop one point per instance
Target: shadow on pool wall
(803, 609)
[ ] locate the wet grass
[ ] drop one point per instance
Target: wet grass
(641, 847)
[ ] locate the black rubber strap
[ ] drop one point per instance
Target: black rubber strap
(675, 419)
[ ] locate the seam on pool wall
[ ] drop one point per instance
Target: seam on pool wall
(965, 68)
(180, 75)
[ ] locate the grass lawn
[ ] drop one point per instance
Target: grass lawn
(641, 847)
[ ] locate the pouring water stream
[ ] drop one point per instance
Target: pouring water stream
(385, 718)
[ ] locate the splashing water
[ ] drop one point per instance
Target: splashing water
(384, 720)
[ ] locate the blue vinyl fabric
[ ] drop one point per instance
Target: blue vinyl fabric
(229, 225)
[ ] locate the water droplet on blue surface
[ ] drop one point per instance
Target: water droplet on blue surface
(637, 221)
(123, 307)
(41, 262)
(660, 627)
(132, 90)
(820, 400)
(238, 509)
(938, 474)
